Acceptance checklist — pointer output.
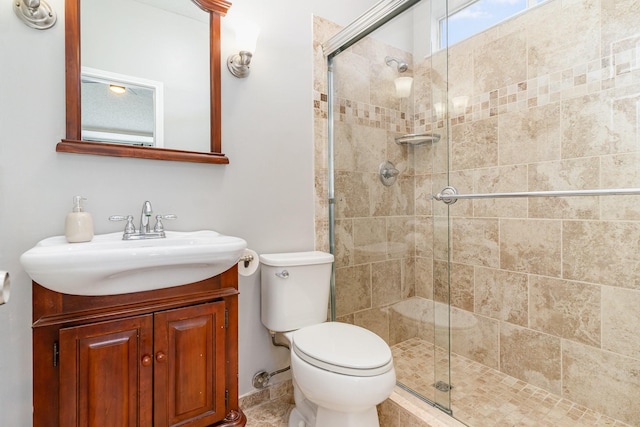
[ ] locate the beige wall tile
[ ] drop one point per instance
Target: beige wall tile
(500, 180)
(620, 320)
(571, 174)
(369, 240)
(397, 199)
(389, 414)
(440, 238)
(424, 279)
(621, 171)
(353, 289)
(530, 246)
(596, 125)
(461, 290)
(351, 77)
(477, 341)
(401, 237)
(386, 283)
(603, 381)
(475, 241)
(423, 204)
(565, 309)
(344, 147)
(501, 295)
(344, 247)
(370, 147)
(352, 195)
(422, 90)
(601, 252)
(424, 236)
(530, 136)
(475, 144)
(617, 23)
(561, 35)
(530, 356)
(460, 71)
(409, 277)
(510, 52)
(375, 320)
(410, 319)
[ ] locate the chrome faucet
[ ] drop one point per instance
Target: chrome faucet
(147, 211)
(145, 231)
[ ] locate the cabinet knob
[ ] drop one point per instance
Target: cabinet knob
(146, 360)
(161, 357)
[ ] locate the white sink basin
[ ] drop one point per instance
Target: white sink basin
(109, 265)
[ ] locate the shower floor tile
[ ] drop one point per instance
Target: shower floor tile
(482, 396)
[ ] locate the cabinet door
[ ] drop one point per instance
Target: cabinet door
(189, 372)
(106, 374)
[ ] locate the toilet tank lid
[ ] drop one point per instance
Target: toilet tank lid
(293, 259)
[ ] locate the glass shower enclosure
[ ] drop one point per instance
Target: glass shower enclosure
(483, 190)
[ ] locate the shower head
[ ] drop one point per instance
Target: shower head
(402, 66)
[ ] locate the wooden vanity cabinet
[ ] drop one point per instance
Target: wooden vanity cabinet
(151, 359)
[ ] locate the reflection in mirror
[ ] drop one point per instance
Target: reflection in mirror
(160, 40)
(173, 42)
(121, 109)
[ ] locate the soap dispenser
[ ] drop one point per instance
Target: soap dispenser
(78, 226)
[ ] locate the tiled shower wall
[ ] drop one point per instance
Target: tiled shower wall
(554, 284)
(375, 243)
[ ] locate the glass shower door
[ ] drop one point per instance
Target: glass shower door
(388, 149)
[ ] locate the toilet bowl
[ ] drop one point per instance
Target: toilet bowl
(340, 371)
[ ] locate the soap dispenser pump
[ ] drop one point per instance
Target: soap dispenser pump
(78, 226)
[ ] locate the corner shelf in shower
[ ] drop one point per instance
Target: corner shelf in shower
(416, 139)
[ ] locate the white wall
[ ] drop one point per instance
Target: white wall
(264, 195)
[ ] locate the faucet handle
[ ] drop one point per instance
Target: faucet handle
(129, 228)
(159, 227)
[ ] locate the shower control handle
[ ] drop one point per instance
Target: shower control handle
(284, 274)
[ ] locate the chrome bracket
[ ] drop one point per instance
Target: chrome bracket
(35, 13)
(447, 195)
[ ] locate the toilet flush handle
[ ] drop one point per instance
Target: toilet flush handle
(284, 274)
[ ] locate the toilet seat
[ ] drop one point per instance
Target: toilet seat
(343, 348)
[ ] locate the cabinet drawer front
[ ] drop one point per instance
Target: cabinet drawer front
(189, 373)
(104, 381)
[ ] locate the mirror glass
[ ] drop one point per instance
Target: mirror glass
(165, 41)
(165, 55)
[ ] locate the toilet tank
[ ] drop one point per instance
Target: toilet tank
(294, 289)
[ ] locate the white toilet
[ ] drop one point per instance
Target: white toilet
(340, 371)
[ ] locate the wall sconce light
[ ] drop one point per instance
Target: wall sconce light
(460, 104)
(35, 13)
(403, 86)
(440, 109)
(246, 40)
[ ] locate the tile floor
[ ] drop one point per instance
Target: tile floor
(481, 397)
(274, 413)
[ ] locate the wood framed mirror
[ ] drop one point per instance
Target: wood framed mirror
(74, 143)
